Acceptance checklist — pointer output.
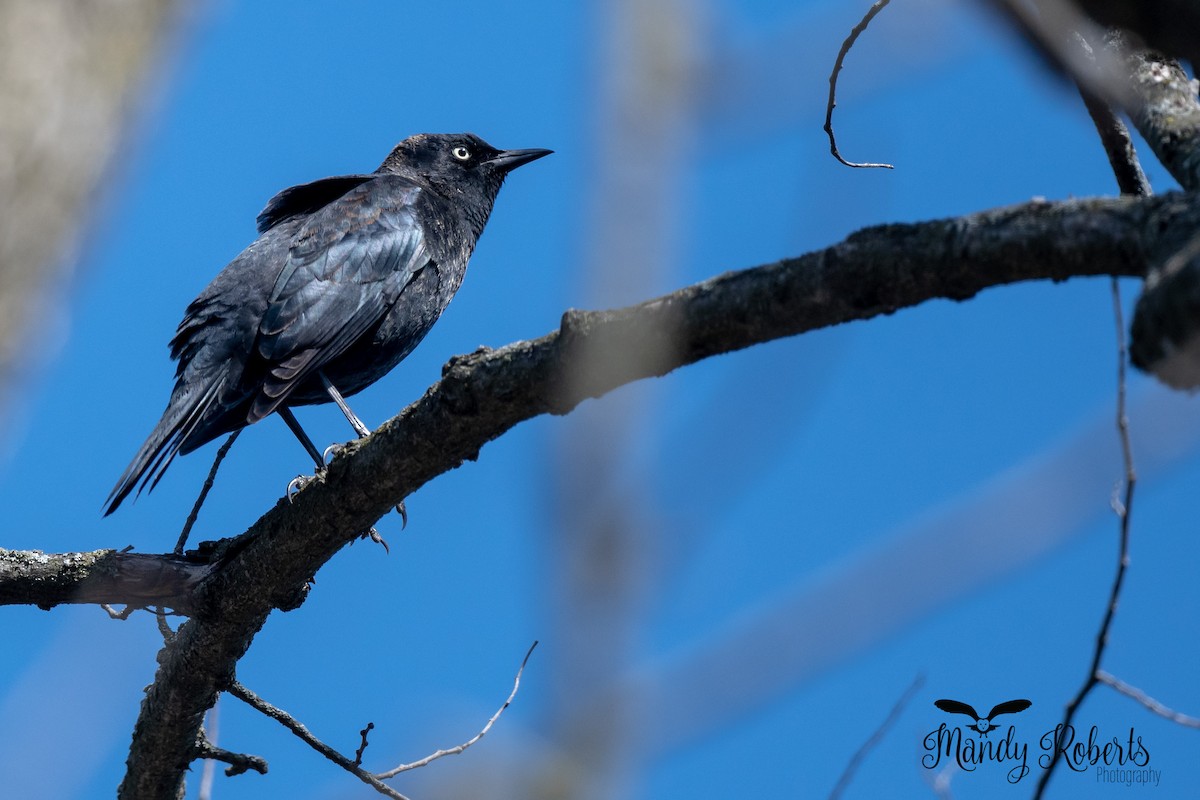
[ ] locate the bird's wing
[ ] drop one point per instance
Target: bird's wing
(307, 198)
(955, 707)
(346, 266)
(1009, 707)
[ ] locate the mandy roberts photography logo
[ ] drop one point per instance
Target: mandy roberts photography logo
(983, 725)
(968, 744)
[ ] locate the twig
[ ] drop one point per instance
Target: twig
(362, 748)
(114, 614)
(352, 766)
(453, 751)
(288, 721)
(855, 32)
(1147, 701)
(238, 762)
(160, 617)
(1114, 135)
(876, 737)
(1123, 513)
(204, 490)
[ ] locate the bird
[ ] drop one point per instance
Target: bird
(347, 275)
(982, 724)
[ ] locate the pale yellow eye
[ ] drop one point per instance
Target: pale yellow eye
(461, 153)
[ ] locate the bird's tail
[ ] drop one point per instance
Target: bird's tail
(185, 412)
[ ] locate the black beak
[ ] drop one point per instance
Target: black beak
(508, 160)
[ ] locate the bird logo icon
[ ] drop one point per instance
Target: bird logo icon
(983, 725)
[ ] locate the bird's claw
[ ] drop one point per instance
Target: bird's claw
(403, 512)
(298, 484)
(295, 486)
(333, 451)
(374, 536)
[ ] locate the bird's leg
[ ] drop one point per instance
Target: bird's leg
(299, 482)
(362, 430)
(294, 424)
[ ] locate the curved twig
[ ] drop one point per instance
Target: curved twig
(849, 41)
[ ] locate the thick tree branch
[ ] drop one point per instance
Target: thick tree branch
(1172, 26)
(484, 394)
(31, 577)
(1164, 110)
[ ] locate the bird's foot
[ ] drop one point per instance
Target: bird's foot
(403, 512)
(298, 484)
(374, 536)
(333, 451)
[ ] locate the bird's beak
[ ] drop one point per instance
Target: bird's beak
(508, 160)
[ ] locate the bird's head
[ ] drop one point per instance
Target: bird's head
(456, 161)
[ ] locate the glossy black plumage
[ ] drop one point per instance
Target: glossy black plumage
(347, 276)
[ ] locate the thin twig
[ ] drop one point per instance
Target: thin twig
(362, 748)
(114, 614)
(1123, 514)
(1132, 181)
(855, 32)
(453, 751)
(876, 737)
(1136, 694)
(288, 721)
(238, 762)
(352, 766)
(204, 490)
(164, 629)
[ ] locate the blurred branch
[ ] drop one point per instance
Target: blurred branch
(1152, 88)
(876, 737)
(1114, 137)
(908, 573)
(1148, 702)
(482, 395)
(1164, 109)
(71, 73)
(1171, 26)
(1050, 28)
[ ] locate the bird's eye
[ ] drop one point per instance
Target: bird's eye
(461, 153)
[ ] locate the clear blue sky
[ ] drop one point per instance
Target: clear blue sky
(829, 516)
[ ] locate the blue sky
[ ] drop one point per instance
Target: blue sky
(824, 518)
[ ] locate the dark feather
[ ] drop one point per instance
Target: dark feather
(296, 201)
(349, 264)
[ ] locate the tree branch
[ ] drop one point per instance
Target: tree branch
(31, 577)
(1147, 702)
(484, 394)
